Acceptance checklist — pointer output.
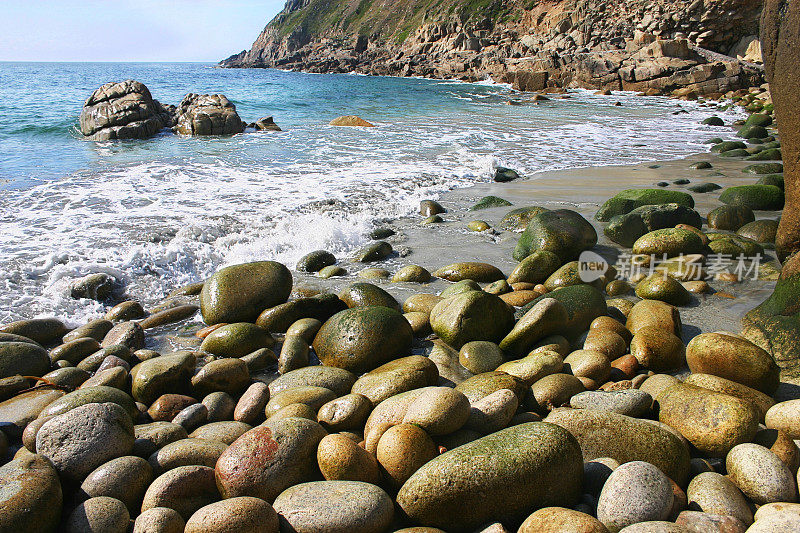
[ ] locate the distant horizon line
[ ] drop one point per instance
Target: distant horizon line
(110, 61)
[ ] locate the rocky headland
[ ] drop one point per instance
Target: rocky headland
(681, 47)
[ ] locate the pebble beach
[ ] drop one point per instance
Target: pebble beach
(463, 371)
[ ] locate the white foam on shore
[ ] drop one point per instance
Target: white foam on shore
(177, 219)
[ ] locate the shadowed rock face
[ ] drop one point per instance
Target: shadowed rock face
(775, 324)
(122, 110)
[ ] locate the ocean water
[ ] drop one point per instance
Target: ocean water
(171, 210)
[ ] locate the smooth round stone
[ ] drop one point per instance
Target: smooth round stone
(186, 452)
(373, 273)
(363, 338)
(335, 507)
(544, 318)
(125, 478)
(294, 410)
(478, 272)
(412, 274)
(220, 406)
(223, 375)
(533, 367)
(654, 313)
(95, 329)
(716, 494)
(129, 334)
(730, 217)
(777, 523)
(30, 495)
(555, 390)
(785, 416)
(156, 435)
(81, 397)
(588, 363)
(159, 520)
(635, 492)
(184, 489)
(760, 475)
(388, 413)
(663, 288)
(314, 397)
(116, 377)
(777, 508)
(346, 413)
(430, 207)
(129, 310)
(250, 407)
(234, 515)
(498, 477)
(480, 356)
(698, 521)
(224, 431)
(482, 385)
(668, 241)
(420, 323)
(84, 438)
(630, 402)
(535, 268)
(460, 287)
(69, 377)
(761, 231)
(270, 458)
(239, 293)
(561, 520)
(605, 434)
(761, 401)
(98, 515)
(657, 349)
(713, 422)
(606, 342)
(305, 328)
(439, 411)
(332, 271)
(733, 358)
(74, 351)
(402, 450)
(421, 303)
(338, 380)
(42, 330)
(367, 295)
(478, 225)
(192, 417)
(655, 526)
(23, 358)
(236, 340)
(341, 458)
(161, 375)
(315, 261)
(294, 354)
(471, 316)
(492, 413)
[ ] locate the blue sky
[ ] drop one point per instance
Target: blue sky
(130, 30)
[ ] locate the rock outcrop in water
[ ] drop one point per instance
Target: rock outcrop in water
(208, 114)
(123, 110)
(698, 47)
(127, 110)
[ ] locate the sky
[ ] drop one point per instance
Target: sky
(131, 30)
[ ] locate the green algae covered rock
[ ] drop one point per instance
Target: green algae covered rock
(562, 231)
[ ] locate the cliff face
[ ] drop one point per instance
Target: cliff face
(534, 43)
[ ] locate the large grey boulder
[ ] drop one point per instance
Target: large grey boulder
(122, 110)
(208, 114)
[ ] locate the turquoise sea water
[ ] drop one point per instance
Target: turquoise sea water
(169, 210)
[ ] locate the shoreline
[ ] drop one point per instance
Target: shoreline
(436, 245)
